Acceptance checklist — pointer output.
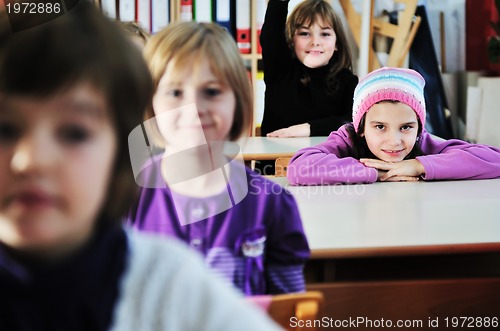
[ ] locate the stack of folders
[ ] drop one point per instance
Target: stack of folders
(153, 15)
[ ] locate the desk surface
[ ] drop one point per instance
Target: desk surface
(400, 218)
(264, 148)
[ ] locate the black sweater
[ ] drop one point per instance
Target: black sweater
(76, 294)
(287, 100)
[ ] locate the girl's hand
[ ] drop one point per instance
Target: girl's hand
(381, 173)
(299, 130)
(406, 170)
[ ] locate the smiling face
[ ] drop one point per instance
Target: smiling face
(56, 158)
(315, 44)
(192, 108)
(391, 130)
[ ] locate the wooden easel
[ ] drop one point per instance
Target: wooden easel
(402, 34)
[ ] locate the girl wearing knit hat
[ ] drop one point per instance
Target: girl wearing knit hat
(387, 141)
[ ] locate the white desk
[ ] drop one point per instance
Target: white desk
(403, 251)
(264, 148)
(400, 218)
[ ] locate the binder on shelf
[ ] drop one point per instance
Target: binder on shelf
(109, 8)
(203, 11)
(126, 10)
(243, 35)
(160, 14)
(187, 10)
(143, 14)
(223, 10)
(259, 20)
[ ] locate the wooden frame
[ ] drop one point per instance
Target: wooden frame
(426, 304)
(292, 310)
(402, 34)
(281, 166)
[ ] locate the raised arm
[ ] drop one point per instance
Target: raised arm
(329, 163)
(276, 54)
(457, 159)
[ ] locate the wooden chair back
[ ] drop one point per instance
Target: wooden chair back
(402, 34)
(281, 166)
(292, 310)
(418, 302)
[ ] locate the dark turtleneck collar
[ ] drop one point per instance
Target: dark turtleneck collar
(78, 293)
(315, 74)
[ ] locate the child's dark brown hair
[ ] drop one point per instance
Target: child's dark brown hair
(82, 46)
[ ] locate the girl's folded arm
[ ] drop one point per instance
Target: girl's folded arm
(329, 163)
(457, 159)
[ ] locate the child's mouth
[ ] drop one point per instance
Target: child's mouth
(393, 152)
(34, 200)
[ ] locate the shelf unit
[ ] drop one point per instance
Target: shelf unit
(251, 59)
(254, 57)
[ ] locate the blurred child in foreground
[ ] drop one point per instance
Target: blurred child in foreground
(71, 90)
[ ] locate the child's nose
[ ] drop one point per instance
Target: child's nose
(201, 105)
(32, 155)
(315, 40)
(395, 138)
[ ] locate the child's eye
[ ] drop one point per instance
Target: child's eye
(74, 134)
(8, 132)
(326, 34)
(175, 93)
(380, 127)
(406, 128)
(212, 92)
(303, 33)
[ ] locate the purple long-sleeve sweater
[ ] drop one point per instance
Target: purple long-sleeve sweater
(331, 162)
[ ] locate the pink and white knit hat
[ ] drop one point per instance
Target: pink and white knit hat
(403, 85)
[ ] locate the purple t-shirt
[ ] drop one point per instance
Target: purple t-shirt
(258, 244)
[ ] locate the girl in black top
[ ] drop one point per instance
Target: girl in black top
(307, 70)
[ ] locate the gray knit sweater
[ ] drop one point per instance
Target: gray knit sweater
(167, 287)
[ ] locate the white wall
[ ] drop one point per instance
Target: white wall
(454, 28)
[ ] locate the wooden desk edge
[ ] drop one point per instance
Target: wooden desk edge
(340, 253)
(259, 156)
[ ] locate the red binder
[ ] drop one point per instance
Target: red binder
(261, 13)
(243, 35)
(186, 10)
